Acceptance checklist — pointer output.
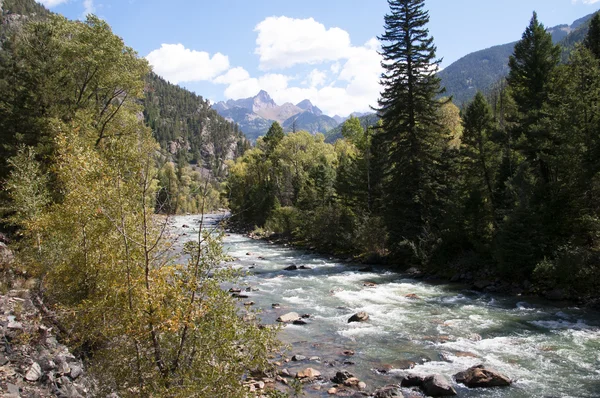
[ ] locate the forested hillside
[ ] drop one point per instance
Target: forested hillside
(188, 128)
(481, 70)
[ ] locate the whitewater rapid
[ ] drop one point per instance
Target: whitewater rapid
(549, 350)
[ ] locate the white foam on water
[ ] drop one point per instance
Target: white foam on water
(297, 300)
(563, 324)
(364, 330)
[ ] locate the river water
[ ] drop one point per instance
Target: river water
(550, 350)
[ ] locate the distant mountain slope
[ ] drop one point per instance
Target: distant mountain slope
(185, 125)
(479, 70)
(256, 114)
(14, 12)
(311, 122)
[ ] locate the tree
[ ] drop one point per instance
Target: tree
(411, 132)
(592, 39)
(479, 159)
(534, 59)
(273, 137)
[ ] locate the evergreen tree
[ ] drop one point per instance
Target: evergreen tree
(479, 161)
(273, 137)
(534, 59)
(592, 40)
(411, 132)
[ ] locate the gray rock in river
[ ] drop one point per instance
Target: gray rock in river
(480, 376)
(341, 377)
(391, 391)
(289, 317)
(437, 386)
(292, 267)
(361, 316)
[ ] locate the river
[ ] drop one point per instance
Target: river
(549, 350)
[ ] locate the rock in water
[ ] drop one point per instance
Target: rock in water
(292, 267)
(308, 373)
(437, 386)
(391, 391)
(412, 380)
(359, 317)
(289, 317)
(341, 377)
(480, 376)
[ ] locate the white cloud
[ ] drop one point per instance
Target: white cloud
(88, 7)
(283, 42)
(347, 82)
(52, 3)
(316, 78)
(178, 64)
(585, 1)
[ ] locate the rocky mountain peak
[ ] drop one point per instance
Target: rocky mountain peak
(263, 98)
(306, 105)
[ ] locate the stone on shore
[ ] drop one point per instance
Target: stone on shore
(34, 372)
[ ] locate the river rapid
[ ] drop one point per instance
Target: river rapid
(549, 350)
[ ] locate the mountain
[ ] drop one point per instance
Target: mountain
(188, 128)
(481, 69)
(306, 105)
(256, 114)
(311, 122)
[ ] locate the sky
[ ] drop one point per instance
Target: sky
(322, 50)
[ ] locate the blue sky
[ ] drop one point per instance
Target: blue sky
(323, 50)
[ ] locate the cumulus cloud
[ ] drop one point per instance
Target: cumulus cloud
(178, 64)
(283, 42)
(88, 7)
(52, 3)
(353, 75)
(316, 78)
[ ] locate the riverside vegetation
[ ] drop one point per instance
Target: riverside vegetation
(510, 185)
(82, 181)
(506, 188)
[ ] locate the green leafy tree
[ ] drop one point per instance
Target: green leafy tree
(411, 132)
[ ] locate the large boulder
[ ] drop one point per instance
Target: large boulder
(412, 380)
(341, 377)
(480, 376)
(289, 317)
(359, 317)
(437, 386)
(391, 391)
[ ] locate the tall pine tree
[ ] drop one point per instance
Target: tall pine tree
(534, 59)
(592, 40)
(411, 133)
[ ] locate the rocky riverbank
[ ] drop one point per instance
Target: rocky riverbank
(32, 361)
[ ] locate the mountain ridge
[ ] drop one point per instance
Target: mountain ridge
(479, 70)
(256, 114)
